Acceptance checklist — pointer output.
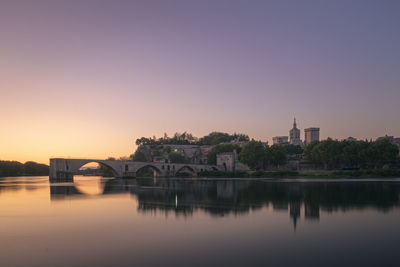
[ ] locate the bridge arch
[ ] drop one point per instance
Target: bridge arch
(156, 170)
(101, 163)
(186, 169)
(65, 169)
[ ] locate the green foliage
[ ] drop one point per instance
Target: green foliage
(332, 154)
(221, 148)
(138, 156)
(176, 157)
(258, 157)
(293, 149)
(254, 154)
(156, 152)
(185, 138)
(15, 168)
(277, 155)
(178, 139)
(216, 138)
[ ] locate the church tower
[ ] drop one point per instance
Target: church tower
(294, 135)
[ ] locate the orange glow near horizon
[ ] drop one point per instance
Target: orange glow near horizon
(80, 86)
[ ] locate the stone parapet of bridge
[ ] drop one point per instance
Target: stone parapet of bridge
(63, 169)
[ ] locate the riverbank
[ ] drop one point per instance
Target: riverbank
(29, 168)
(379, 173)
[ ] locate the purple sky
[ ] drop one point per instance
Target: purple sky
(86, 78)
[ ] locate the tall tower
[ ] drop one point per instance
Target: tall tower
(294, 135)
(310, 135)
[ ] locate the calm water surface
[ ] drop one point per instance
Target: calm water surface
(183, 222)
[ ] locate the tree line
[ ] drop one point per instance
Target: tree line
(29, 168)
(185, 138)
(259, 156)
(255, 154)
(333, 154)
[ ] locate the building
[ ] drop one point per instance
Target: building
(310, 135)
(294, 135)
(280, 140)
(229, 161)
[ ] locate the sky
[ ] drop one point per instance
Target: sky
(86, 78)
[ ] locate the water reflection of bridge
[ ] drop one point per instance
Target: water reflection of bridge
(239, 197)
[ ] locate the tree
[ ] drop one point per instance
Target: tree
(33, 168)
(216, 138)
(308, 149)
(354, 153)
(15, 168)
(254, 154)
(367, 154)
(138, 156)
(277, 155)
(381, 151)
(293, 149)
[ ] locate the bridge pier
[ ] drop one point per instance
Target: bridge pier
(62, 176)
(59, 171)
(130, 174)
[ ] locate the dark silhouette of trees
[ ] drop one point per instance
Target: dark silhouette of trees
(185, 138)
(293, 149)
(332, 154)
(138, 156)
(276, 155)
(29, 168)
(254, 154)
(216, 138)
(259, 156)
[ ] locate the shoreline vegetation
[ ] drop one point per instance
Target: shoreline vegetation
(379, 173)
(29, 168)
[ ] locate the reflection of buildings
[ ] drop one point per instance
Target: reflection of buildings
(183, 197)
(295, 211)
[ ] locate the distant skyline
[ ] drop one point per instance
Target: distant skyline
(86, 78)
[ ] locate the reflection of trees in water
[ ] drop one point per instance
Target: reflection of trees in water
(240, 197)
(222, 197)
(22, 183)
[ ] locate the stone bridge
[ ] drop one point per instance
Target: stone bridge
(64, 169)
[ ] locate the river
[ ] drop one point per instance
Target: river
(99, 221)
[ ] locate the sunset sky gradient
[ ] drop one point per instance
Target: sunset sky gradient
(86, 78)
